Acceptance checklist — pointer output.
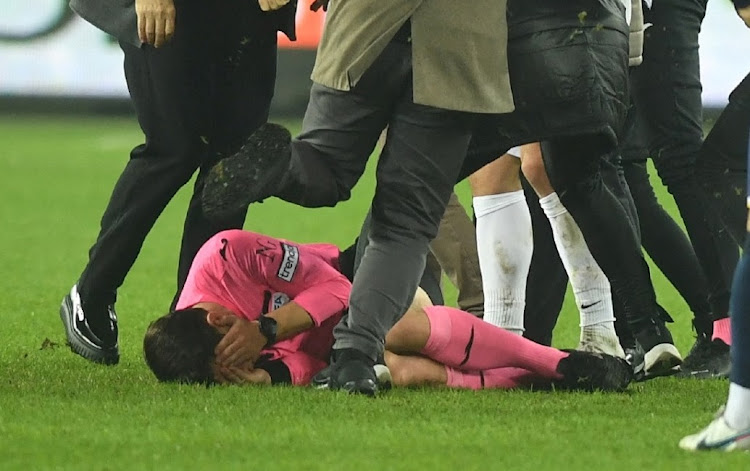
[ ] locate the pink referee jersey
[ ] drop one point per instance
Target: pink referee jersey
(252, 274)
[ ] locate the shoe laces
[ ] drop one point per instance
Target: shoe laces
(633, 354)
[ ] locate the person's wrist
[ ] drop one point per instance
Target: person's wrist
(268, 328)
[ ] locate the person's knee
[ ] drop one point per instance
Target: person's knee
(500, 176)
(401, 338)
(534, 170)
(178, 160)
(404, 225)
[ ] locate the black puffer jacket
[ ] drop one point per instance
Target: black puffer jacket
(569, 74)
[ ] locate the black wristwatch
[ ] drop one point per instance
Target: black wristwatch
(268, 327)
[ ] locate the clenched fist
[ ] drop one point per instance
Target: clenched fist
(155, 21)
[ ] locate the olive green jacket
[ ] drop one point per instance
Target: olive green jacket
(458, 49)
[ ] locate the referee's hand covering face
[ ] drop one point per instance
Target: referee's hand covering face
(155, 21)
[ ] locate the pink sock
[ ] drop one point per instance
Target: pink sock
(723, 331)
(498, 378)
(460, 340)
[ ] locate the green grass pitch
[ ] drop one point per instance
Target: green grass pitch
(58, 411)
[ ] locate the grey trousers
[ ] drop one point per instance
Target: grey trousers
(453, 251)
(431, 276)
(416, 172)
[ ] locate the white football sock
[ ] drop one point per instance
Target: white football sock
(737, 413)
(600, 338)
(590, 286)
(504, 245)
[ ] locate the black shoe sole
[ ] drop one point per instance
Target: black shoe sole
(639, 371)
(660, 374)
(702, 374)
(353, 375)
(250, 175)
(708, 362)
(639, 377)
(322, 380)
(366, 387)
(665, 364)
(589, 372)
(79, 346)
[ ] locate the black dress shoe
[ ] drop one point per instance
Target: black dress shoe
(91, 334)
(322, 379)
(635, 356)
(707, 359)
(594, 372)
(662, 357)
(353, 372)
(385, 380)
(253, 173)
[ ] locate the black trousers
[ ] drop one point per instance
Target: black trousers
(722, 165)
(196, 99)
(578, 121)
(605, 224)
(667, 93)
(547, 280)
(657, 232)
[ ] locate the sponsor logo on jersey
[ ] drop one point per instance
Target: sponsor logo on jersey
(278, 300)
(289, 262)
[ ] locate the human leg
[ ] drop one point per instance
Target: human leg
(416, 174)
(575, 173)
(590, 286)
(547, 282)
(722, 166)
(455, 249)
(667, 90)
(173, 119)
(730, 430)
(476, 354)
(242, 82)
(431, 279)
(504, 241)
(321, 165)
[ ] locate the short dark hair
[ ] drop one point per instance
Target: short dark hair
(179, 347)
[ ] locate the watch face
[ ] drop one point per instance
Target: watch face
(268, 328)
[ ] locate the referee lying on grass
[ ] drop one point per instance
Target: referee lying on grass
(261, 310)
